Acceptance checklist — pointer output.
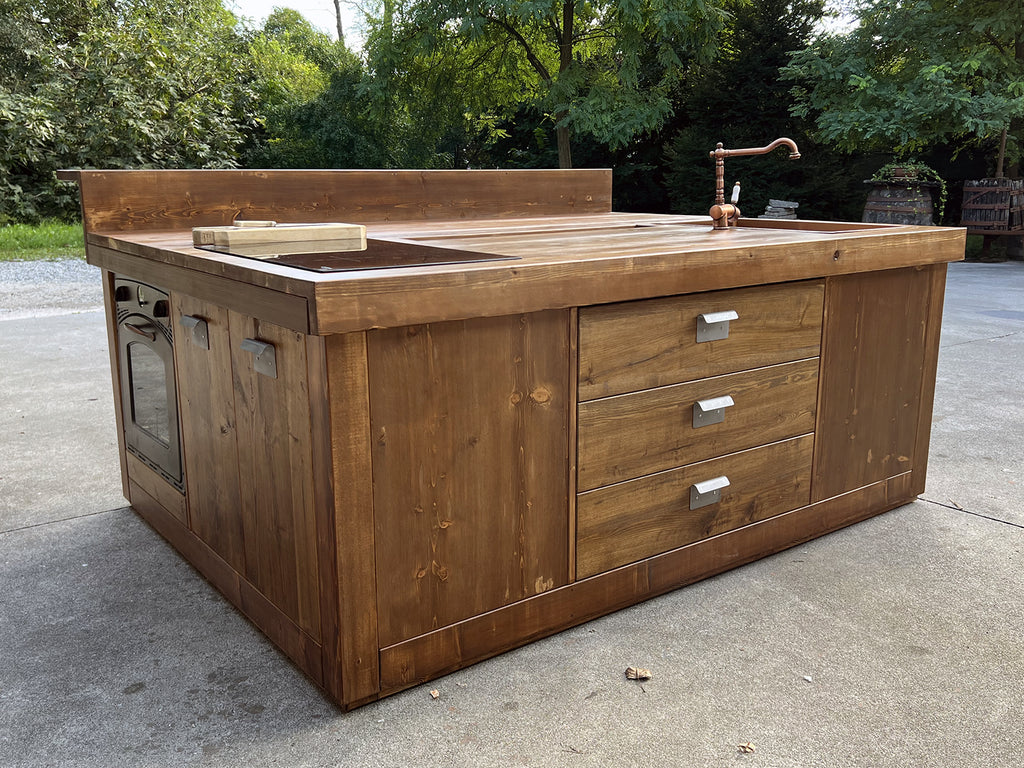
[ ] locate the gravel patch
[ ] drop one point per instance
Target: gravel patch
(31, 289)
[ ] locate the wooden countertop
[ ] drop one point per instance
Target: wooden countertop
(562, 261)
(570, 248)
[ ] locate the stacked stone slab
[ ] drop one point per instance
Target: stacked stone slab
(780, 209)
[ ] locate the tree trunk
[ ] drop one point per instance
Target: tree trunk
(1016, 123)
(564, 62)
(564, 148)
(337, 15)
(1002, 155)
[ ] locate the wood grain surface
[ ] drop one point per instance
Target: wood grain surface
(637, 345)
(173, 199)
(630, 521)
(640, 433)
(275, 472)
(874, 359)
(209, 437)
(354, 560)
(469, 427)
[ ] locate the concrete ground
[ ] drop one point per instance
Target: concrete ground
(897, 642)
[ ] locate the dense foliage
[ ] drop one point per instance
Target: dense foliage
(643, 86)
(912, 73)
(603, 68)
(114, 85)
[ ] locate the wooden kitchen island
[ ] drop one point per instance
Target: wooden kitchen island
(577, 411)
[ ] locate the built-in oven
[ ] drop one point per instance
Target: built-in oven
(149, 399)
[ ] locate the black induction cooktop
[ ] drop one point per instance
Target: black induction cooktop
(338, 256)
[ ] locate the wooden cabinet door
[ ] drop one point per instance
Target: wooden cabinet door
(275, 471)
(247, 447)
(879, 355)
(209, 437)
(469, 425)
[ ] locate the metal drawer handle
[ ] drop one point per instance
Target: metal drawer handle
(708, 492)
(264, 357)
(197, 329)
(711, 411)
(713, 326)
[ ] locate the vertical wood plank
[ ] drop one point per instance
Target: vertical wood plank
(323, 504)
(469, 423)
(208, 433)
(873, 374)
(110, 310)
(275, 471)
(573, 408)
(354, 649)
(936, 275)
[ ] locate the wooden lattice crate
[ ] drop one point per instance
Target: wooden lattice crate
(993, 205)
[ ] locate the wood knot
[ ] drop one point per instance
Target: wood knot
(516, 398)
(541, 395)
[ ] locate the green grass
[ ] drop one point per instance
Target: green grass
(48, 241)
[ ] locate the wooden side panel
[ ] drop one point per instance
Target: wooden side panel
(469, 426)
(937, 294)
(169, 497)
(110, 311)
(352, 564)
(652, 343)
(873, 369)
(276, 472)
(176, 199)
(630, 521)
(643, 432)
(208, 433)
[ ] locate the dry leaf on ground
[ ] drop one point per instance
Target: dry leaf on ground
(638, 673)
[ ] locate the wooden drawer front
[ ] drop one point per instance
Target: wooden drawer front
(631, 521)
(652, 343)
(643, 432)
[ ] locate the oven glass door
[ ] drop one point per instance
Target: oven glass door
(148, 396)
(147, 378)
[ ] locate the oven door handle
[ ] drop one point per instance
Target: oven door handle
(141, 331)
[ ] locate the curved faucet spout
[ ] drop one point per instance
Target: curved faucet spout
(719, 154)
(794, 153)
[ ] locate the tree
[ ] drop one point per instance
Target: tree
(114, 85)
(602, 68)
(915, 72)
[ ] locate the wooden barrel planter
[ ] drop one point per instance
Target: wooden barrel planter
(899, 204)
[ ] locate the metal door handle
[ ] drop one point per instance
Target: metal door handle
(197, 329)
(141, 331)
(712, 326)
(264, 357)
(707, 492)
(711, 411)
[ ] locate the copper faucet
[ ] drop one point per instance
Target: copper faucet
(725, 215)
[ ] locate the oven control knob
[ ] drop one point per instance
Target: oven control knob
(122, 293)
(161, 309)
